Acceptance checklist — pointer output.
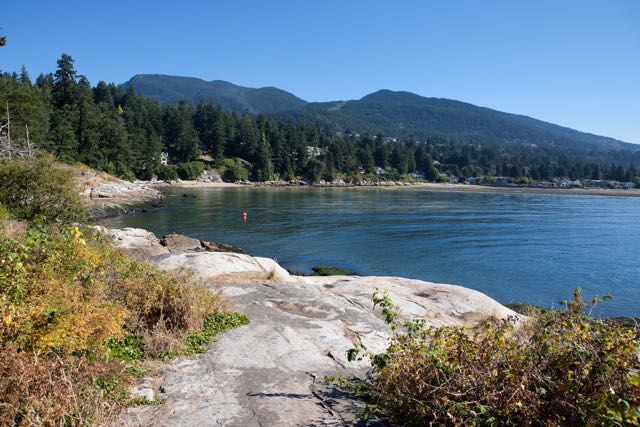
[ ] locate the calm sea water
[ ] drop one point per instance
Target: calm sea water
(513, 247)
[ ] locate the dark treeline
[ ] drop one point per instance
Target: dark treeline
(122, 133)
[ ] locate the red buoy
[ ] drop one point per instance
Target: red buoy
(244, 216)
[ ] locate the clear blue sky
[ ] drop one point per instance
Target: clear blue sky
(574, 63)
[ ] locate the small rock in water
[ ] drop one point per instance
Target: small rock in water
(219, 247)
(179, 243)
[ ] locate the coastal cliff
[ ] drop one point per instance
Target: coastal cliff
(271, 371)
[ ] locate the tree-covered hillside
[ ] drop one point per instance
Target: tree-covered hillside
(405, 114)
(117, 131)
(173, 89)
(396, 114)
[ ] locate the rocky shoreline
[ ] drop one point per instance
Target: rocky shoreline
(115, 197)
(271, 371)
(108, 196)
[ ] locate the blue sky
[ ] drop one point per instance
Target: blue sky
(574, 63)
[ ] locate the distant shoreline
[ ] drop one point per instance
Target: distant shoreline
(431, 187)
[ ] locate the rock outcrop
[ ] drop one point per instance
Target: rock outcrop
(140, 244)
(271, 371)
(219, 247)
(180, 243)
(144, 245)
(104, 193)
(226, 266)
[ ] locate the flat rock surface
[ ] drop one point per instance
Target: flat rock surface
(140, 244)
(271, 372)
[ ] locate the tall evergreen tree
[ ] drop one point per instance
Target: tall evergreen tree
(64, 83)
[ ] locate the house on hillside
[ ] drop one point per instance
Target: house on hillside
(314, 152)
(564, 183)
(502, 181)
(164, 158)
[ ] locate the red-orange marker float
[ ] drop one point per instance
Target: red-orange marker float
(244, 216)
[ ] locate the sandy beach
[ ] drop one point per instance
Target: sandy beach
(435, 187)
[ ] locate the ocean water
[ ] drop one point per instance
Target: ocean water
(513, 247)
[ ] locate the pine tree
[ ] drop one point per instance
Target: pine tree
(262, 169)
(247, 136)
(64, 84)
(24, 76)
(87, 131)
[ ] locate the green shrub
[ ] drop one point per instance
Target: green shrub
(190, 171)
(557, 368)
(166, 172)
(40, 191)
(235, 172)
(5, 217)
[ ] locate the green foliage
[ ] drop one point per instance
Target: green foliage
(555, 368)
(190, 171)
(324, 270)
(214, 324)
(167, 172)
(408, 115)
(400, 114)
(40, 191)
(129, 349)
(235, 172)
(70, 291)
(111, 128)
(143, 401)
(5, 216)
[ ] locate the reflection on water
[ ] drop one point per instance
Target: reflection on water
(513, 247)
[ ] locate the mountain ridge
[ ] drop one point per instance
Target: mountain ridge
(391, 113)
(168, 89)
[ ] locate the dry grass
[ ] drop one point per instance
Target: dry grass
(247, 278)
(69, 304)
(57, 390)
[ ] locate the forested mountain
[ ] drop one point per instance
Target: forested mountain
(116, 130)
(173, 89)
(406, 114)
(395, 114)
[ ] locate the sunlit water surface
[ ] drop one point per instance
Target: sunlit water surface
(513, 247)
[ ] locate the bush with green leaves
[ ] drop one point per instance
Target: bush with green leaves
(5, 216)
(554, 368)
(40, 191)
(190, 171)
(166, 172)
(235, 171)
